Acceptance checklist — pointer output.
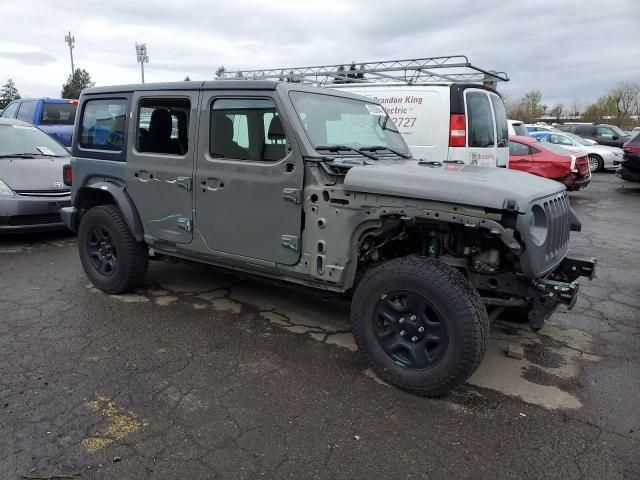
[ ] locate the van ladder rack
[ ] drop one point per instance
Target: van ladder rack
(455, 68)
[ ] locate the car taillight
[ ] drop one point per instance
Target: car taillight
(457, 131)
(73, 101)
(67, 175)
(631, 149)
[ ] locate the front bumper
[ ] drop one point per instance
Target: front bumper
(541, 296)
(21, 213)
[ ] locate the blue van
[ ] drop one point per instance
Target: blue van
(54, 116)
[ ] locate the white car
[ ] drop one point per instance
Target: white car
(600, 156)
(517, 128)
(452, 122)
(538, 127)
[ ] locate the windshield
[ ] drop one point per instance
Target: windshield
(329, 120)
(552, 147)
(58, 114)
(28, 140)
(619, 131)
(520, 129)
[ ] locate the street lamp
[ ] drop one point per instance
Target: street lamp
(142, 58)
(71, 41)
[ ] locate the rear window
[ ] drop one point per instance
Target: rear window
(502, 126)
(635, 140)
(480, 131)
(103, 125)
(58, 114)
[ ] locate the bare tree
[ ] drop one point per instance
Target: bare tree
(557, 111)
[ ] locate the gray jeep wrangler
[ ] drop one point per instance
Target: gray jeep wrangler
(317, 187)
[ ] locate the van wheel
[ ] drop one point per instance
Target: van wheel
(111, 257)
(596, 164)
(420, 324)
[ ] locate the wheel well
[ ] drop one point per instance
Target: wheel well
(92, 197)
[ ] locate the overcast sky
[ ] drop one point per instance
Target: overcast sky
(567, 49)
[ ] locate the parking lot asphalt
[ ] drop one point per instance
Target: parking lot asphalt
(202, 374)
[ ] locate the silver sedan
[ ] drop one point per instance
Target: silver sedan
(31, 185)
(600, 156)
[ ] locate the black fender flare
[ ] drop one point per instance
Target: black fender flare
(122, 199)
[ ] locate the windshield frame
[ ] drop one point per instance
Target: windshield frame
(383, 121)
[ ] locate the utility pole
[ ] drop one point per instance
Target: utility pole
(71, 41)
(141, 57)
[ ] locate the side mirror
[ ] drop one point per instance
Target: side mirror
(615, 137)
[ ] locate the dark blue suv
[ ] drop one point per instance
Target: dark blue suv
(54, 116)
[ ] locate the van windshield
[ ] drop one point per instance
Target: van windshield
(331, 121)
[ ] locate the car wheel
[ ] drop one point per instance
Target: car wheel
(420, 324)
(112, 258)
(596, 164)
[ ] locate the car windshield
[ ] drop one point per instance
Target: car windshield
(330, 120)
(552, 147)
(520, 129)
(28, 141)
(619, 131)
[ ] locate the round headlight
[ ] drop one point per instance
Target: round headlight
(538, 225)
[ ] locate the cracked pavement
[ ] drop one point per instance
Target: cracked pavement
(202, 374)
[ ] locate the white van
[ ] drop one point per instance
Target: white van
(454, 121)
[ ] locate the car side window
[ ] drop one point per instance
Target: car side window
(103, 124)
(163, 125)
(10, 111)
(605, 132)
(25, 113)
(517, 148)
(480, 131)
(246, 129)
(584, 130)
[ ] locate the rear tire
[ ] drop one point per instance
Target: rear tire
(111, 257)
(596, 164)
(405, 295)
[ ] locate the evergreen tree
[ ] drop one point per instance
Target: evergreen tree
(9, 93)
(187, 79)
(220, 71)
(76, 83)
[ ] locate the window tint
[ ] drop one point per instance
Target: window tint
(502, 126)
(25, 113)
(103, 124)
(163, 125)
(516, 148)
(480, 133)
(584, 130)
(10, 111)
(246, 129)
(58, 113)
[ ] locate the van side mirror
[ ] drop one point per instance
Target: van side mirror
(615, 137)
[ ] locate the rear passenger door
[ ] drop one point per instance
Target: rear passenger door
(249, 176)
(160, 161)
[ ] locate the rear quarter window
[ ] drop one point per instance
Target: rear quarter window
(103, 125)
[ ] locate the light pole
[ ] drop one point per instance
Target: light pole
(71, 41)
(142, 58)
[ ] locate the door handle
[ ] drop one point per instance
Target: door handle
(212, 183)
(143, 175)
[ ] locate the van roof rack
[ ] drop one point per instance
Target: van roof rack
(453, 68)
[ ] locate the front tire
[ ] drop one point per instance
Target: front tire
(420, 324)
(112, 258)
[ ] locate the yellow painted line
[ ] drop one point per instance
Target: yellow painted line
(119, 424)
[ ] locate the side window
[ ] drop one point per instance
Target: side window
(559, 140)
(584, 131)
(516, 148)
(103, 124)
(502, 126)
(480, 130)
(10, 111)
(25, 113)
(605, 132)
(246, 129)
(163, 125)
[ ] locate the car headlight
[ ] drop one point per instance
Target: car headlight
(4, 189)
(617, 154)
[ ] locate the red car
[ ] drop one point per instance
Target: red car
(548, 160)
